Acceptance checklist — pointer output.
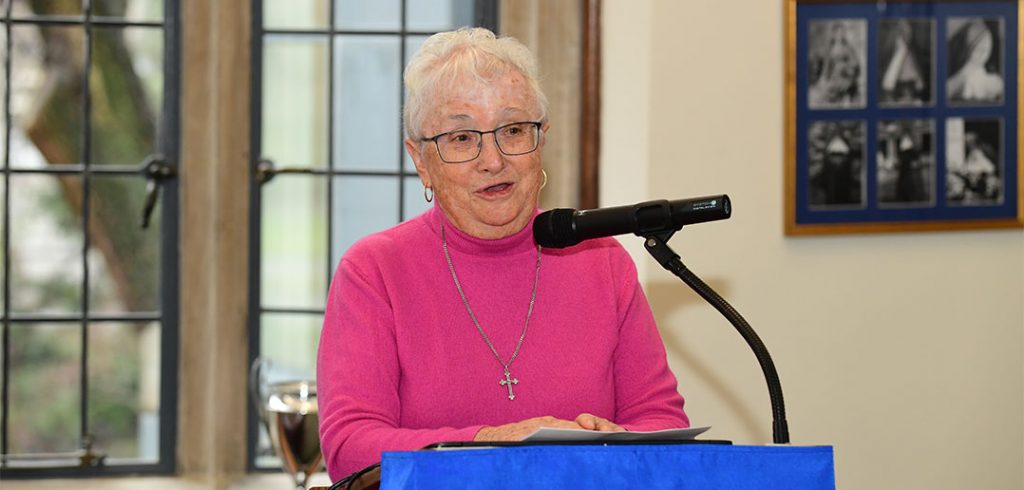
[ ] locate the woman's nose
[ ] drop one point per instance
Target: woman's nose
(491, 158)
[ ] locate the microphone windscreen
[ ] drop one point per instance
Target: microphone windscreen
(554, 229)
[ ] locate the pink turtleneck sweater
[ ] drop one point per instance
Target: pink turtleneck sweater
(401, 365)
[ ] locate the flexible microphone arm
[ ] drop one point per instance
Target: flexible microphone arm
(658, 248)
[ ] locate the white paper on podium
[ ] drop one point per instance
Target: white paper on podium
(549, 434)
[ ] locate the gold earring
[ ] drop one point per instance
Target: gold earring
(545, 183)
(428, 193)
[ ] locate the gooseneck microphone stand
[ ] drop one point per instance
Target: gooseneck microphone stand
(656, 245)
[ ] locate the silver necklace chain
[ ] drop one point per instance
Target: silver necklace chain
(507, 381)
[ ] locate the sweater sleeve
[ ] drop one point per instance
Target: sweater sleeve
(645, 388)
(358, 376)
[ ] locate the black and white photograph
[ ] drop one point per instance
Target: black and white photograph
(905, 62)
(837, 64)
(906, 163)
(975, 64)
(836, 164)
(974, 161)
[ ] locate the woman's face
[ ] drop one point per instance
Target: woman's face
(982, 50)
(493, 195)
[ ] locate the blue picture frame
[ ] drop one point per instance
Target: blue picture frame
(903, 115)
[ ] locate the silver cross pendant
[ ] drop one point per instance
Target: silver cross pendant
(508, 382)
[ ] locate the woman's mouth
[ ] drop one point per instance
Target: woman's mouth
(496, 190)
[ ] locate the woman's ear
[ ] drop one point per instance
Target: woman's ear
(413, 148)
(543, 135)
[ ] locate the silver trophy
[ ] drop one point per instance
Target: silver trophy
(288, 411)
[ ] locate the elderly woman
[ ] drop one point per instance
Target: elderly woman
(455, 325)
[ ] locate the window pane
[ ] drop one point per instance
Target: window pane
(367, 14)
(46, 95)
(367, 88)
(45, 394)
(124, 389)
(289, 342)
(412, 44)
(131, 10)
(126, 85)
(414, 202)
(435, 15)
(295, 14)
(25, 8)
(362, 205)
(46, 243)
(293, 231)
(124, 259)
(295, 100)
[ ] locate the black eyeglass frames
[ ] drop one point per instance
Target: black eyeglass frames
(463, 145)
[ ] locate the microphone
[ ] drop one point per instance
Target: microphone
(560, 228)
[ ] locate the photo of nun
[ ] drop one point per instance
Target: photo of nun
(975, 60)
(906, 162)
(837, 77)
(836, 164)
(973, 162)
(905, 62)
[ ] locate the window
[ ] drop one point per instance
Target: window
(329, 166)
(88, 298)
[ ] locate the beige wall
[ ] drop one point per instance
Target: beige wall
(904, 351)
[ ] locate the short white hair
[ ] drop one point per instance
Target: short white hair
(475, 52)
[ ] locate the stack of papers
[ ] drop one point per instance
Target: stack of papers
(547, 434)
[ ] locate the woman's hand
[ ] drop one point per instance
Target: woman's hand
(516, 431)
(593, 422)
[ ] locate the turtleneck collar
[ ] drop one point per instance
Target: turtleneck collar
(519, 242)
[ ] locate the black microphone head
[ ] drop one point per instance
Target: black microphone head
(554, 229)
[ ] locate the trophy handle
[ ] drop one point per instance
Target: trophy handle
(256, 372)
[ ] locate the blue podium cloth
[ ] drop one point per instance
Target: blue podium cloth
(691, 466)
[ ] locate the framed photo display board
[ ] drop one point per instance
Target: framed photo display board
(903, 115)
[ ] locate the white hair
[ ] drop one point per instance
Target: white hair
(474, 52)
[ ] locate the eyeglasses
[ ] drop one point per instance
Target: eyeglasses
(464, 145)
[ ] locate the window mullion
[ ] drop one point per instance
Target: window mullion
(4, 321)
(401, 105)
(86, 159)
(331, 38)
(168, 140)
